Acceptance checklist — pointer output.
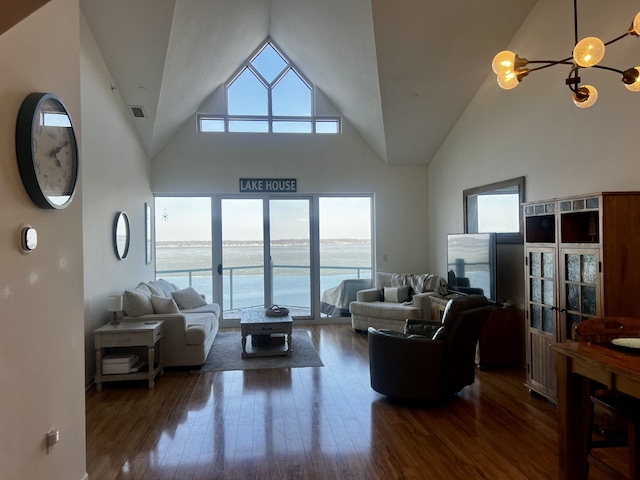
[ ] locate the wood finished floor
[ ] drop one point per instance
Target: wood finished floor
(316, 423)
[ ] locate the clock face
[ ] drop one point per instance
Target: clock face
(49, 165)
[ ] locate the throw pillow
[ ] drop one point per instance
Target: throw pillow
(155, 289)
(164, 305)
(166, 287)
(396, 294)
(137, 303)
(188, 298)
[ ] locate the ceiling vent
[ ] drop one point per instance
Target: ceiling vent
(137, 111)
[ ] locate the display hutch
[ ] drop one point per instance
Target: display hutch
(582, 260)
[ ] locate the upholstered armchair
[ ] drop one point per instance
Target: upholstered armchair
(429, 360)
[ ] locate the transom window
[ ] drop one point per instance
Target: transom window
(268, 94)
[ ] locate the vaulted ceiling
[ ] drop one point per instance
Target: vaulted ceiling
(401, 72)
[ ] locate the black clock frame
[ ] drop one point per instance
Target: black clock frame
(25, 126)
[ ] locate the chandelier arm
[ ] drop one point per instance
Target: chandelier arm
(573, 80)
(550, 63)
(617, 38)
(575, 21)
(602, 67)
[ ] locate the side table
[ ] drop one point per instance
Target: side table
(129, 334)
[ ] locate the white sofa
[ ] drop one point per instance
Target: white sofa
(190, 324)
(373, 309)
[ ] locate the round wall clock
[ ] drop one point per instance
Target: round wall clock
(47, 150)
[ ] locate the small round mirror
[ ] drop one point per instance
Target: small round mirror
(121, 235)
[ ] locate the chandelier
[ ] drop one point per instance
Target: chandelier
(587, 53)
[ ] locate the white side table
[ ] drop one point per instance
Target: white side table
(129, 334)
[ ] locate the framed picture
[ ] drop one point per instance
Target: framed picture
(147, 233)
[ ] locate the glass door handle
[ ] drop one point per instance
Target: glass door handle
(219, 269)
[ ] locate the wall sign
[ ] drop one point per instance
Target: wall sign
(253, 185)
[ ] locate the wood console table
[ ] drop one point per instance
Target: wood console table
(255, 322)
(577, 364)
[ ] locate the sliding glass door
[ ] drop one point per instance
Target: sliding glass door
(243, 255)
(290, 250)
(308, 253)
(266, 254)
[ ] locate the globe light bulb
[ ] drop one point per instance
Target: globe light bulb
(631, 79)
(588, 52)
(635, 26)
(508, 80)
(503, 61)
(586, 96)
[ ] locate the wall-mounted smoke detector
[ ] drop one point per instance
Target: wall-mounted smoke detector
(137, 111)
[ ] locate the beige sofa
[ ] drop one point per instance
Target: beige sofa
(372, 309)
(190, 324)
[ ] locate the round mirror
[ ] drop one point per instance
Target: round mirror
(121, 235)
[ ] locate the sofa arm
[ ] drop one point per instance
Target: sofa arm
(174, 326)
(369, 295)
(423, 302)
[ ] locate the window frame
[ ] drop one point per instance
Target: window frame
(501, 237)
(270, 118)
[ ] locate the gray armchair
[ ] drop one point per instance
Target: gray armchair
(430, 360)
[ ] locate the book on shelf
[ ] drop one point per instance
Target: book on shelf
(118, 363)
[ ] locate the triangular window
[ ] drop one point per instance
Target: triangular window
(269, 94)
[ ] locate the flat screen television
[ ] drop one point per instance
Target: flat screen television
(471, 263)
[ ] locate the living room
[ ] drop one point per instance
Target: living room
(54, 297)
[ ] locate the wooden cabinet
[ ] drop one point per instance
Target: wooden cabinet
(582, 255)
(500, 343)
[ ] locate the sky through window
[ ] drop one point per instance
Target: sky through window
(269, 95)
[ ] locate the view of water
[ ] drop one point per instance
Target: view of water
(244, 287)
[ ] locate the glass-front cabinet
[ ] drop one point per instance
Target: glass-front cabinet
(580, 271)
(581, 258)
(542, 328)
(581, 261)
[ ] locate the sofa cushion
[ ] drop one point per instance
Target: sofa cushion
(137, 302)
(208, 308)
(198, 326)
(396, 294)
(164, 305)
(188, 298)
(385, 310)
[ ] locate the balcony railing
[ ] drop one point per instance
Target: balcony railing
(192, 273)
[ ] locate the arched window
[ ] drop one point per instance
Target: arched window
(269, 94)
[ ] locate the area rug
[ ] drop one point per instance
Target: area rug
(226, 354)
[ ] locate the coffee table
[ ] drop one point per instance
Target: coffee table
(255, 322)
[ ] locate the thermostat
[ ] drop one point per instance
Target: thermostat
(28, 239)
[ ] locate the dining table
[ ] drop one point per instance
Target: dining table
(578, 365)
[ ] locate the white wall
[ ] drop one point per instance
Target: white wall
(116, 178)
(535, 130)
(41, 294)
(212, 163)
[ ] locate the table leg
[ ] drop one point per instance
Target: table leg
(289, 343)
(98, 369)
(573, 402)
(151, 353)
(244, 344)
